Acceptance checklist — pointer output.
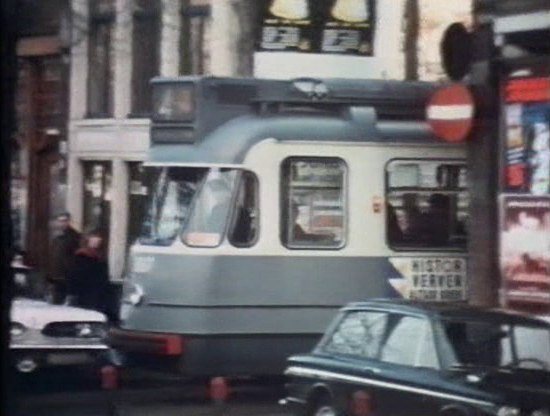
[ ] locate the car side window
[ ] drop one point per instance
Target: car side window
(410, 342)
(358, 333)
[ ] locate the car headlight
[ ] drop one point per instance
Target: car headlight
(91, 330)
(508, 411)
(17, 329)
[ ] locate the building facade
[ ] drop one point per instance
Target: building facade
(38, 163)
(117, 47)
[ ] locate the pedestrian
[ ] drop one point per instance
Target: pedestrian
(88, 283)
(63, 246)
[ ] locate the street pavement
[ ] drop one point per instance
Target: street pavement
(72, 394)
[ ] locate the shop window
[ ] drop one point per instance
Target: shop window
(97, 195)
(427, 204)
(193, 21)
(145, 53)
(313, 204)
(245, 222)
(100, 77)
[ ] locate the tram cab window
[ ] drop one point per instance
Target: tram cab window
(243, 231)
(312, 203)
(171, 192)
(427, 204)
(207, 222)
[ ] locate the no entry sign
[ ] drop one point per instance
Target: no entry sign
(450, 113)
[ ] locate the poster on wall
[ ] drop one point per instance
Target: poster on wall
(347, 28)
(527, 135)
(319, 26)
(525, 249)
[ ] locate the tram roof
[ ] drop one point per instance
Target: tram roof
(352, 111)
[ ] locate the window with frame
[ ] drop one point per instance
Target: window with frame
(427, 204)
(244, 228)
(145, 53)
(138, 191)
(410, 342)
(193, 24)
(97, 195)
(359, 334)
(100, 74)
(313, 211)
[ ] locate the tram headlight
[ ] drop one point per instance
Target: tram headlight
(133, 294)
(173, 102)
(17, 329)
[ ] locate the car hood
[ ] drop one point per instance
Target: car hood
(37, 314)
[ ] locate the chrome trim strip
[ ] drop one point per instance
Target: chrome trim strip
(57, 347)
(295, 400)
(329, 375)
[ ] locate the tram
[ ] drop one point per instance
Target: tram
(273, 203)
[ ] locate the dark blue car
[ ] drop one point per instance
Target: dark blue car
(390, 358)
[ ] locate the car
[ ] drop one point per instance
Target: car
(400, 357)
(44, 335)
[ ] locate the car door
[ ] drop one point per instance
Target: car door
(409, 370)
(352, 370)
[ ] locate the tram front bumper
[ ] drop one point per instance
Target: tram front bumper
(128, 341)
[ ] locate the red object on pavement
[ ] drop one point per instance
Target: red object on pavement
(219, 390)
(109, 377)
(450, 113)
(361, 404)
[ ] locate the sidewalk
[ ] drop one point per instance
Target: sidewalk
(159, 401)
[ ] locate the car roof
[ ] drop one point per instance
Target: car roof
(444, 310)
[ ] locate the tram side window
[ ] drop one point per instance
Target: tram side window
(244, 224)
(312, 204)
(427, 204)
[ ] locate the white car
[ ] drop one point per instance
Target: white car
(43, 334)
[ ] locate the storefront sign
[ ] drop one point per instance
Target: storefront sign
(320, 26)
(430, 278)
(527, 135)
(525, 248)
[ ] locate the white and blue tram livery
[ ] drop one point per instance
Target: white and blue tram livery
(274, 203)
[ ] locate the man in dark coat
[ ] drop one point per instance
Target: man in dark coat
(63, 248)
(88, 280)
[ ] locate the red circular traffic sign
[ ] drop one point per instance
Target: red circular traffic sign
(450, 113)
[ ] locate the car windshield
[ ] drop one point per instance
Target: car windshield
(497, 344)
(171, 191)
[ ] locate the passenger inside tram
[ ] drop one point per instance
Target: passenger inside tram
(300, 235)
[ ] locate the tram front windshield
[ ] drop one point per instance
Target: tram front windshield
(191, 202)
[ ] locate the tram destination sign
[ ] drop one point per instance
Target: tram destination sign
(430, 278)
(318, 26)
